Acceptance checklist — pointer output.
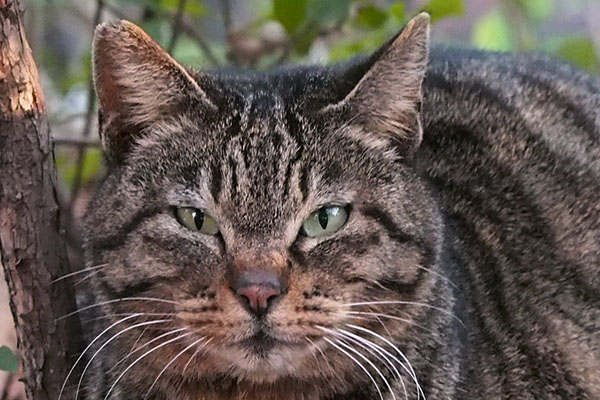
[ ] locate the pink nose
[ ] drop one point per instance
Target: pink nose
(259, 297)
(257, 290)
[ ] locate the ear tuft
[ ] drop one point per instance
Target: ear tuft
(138, 84)
(386, 101)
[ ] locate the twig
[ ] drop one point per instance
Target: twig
(65, 120)
(186, 26)
(76, 142)
(88, 122)
(287, 51)
(176, 29)
(192, 32)
(226, 10)
(227, 22)
(7, 386)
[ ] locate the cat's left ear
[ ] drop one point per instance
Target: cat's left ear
(386, 100)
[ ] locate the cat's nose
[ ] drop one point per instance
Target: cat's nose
(258, 291)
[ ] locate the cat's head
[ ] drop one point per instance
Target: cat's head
(271, 215)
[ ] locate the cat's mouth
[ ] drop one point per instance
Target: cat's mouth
(264, 358)
(263, 343)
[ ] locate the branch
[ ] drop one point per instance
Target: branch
(32, 247)
(226, 11)
(186, 26)
(192, 32)
(91, 105)
(176, 29)
(75, 142)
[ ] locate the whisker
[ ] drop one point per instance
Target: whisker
(366, 359)
(393, 317)
(139, 338)
(169, 364)
(132, 351)
(107, 343)
(384, 353)
(110, 316)
(346, 345)
(357, 363)
(87, 348)
(384, 327)
(88, 276)
(331, 370)
(194, 355)
(140, 358)
(312, 350)
(392, 302)
(81, 271)
(133, 347)
(102, 303)
(438, 275)
(393, 346)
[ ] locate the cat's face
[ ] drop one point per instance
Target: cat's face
(265, 210)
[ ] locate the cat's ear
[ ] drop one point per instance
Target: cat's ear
(386, 100)
(138, 84)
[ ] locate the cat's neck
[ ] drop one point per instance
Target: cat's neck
(441, 354)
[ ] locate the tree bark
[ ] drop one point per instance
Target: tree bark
(32, 247)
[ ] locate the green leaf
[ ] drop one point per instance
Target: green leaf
(323, 12)
(397, 10)
(443, 8)
(8, 360)
(365, 43)
(578, 50)
(290, 13)
(158, 28)
(371, 16)
(188, 53)
(195, 8)
(538, 10)
(305, 40)
(493, 32)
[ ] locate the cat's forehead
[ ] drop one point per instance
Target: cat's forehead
(307, 88)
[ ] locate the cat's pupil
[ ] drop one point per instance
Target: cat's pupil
(198, 219)
(323, 218)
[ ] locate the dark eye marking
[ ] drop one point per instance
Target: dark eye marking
(131, 289)
(304, 182)
(118, 239)
(216, 181)
(393, 231)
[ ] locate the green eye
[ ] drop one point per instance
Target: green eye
(325, 221)
(196, 220)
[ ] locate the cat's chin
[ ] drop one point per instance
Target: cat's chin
(265, 362)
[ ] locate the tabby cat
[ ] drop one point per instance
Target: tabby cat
(403, 226)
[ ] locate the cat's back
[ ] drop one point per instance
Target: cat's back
(512, 148)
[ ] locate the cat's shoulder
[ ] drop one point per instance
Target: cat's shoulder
(532, 69)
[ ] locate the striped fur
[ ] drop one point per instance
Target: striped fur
(474, 201)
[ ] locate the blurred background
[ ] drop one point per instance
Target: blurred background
(258, 34)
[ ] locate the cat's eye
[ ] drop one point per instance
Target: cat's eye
(196, 220)
(325, 221)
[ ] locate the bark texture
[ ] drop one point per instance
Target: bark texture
(32, 248)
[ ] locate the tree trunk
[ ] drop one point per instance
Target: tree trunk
(32, 248)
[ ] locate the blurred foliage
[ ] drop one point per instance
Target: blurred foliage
(8, 360)
(515, 24)
(267, 33)
(67, 166)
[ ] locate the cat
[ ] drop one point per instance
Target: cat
(419, 223)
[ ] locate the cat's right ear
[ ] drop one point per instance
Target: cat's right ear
(138, 84)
